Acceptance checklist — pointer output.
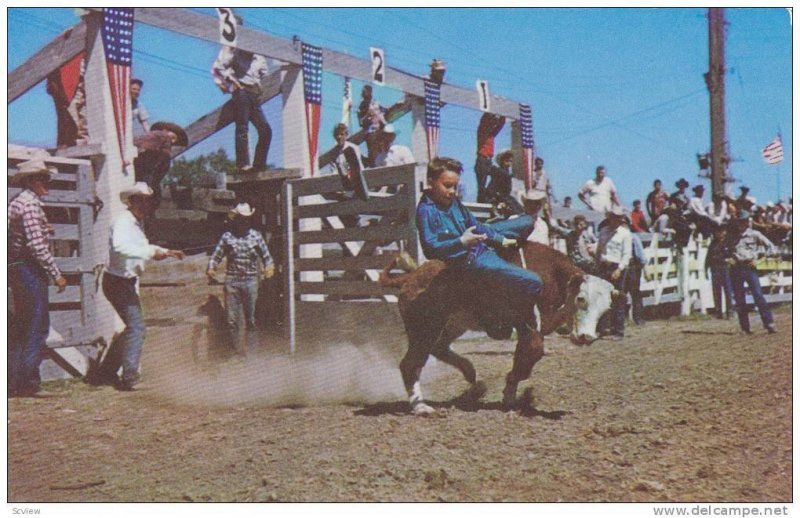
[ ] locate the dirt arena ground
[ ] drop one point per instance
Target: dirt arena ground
(683, 410)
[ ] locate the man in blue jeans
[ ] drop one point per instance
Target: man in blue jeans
(31, 266)
(129, 249)
(246, 251)
(240, 72)
(744, 245)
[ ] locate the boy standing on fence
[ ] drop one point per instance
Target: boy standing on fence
(244, 248)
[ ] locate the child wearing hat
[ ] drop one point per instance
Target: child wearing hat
(245, 250)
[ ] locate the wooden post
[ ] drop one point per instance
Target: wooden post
(110, 174)
(295, 155)
(419, 143)
(287, 202)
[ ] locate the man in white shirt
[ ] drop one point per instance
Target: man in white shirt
(614, 252)
(599, 193)
(128, 251)
(240, 72)
(389, 153)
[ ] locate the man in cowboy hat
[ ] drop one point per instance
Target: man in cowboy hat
(532, 202)
(246, 251)
(679, 197)
(698, 212)
(31, 265)
(614, 253)
(155, 155)
(129, 249)
(389, 153)
(745, 201)
(744, 244)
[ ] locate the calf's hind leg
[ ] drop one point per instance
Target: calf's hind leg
(410, 368)
(530, 349)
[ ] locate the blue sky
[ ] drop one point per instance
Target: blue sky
(612, 86)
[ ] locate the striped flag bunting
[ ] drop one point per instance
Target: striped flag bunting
(432, 112)
(312, 90)
(773, 153)
(526, 129)
(117, 35)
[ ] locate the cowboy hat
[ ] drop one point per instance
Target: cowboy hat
(137, 189)
(744, 188)
(30, 169)
(681, 183)
(698, 188)
(241, 210)
(531, 196)
(616, 210)
(183, 139)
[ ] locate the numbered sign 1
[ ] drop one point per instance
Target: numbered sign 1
(378, 65)
(227, 26)
(484, 99)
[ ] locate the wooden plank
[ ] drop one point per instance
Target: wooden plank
(261, 176)
(92, 150)
(52, 56)
(353, 234)
(56, 197)
(355, 288)
(355, 206)
(65, 231)
(71, 264)
(55, 161)
(62, 321)
(377, 177)
(343, 263)
(205, 27)
(214, 121)
(70, 294)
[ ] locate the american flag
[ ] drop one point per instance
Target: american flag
(347, 102)
(312, 88)
(117, 34)
(432, 107)
(526, 129)
(773, 153)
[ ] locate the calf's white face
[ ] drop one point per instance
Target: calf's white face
(594, 299)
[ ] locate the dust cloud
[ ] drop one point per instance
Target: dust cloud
(335, 374)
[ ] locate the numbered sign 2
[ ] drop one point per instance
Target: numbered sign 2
(227, 26)
(484, 99)
(378, 65)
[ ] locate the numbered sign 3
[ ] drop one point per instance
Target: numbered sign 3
(227, 26)
(484, 99)
(378, 65)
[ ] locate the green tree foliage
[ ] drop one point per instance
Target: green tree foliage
(200, 171)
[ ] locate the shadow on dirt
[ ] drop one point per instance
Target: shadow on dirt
(700, 332)
(524, 406)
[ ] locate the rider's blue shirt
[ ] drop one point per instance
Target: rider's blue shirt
(440, 230)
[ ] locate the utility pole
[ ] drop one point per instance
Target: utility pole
(715, 81)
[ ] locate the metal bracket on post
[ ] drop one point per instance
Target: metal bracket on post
(97, 206)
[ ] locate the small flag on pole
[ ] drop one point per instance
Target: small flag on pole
(526, 130)
(432, 112)
(117, 34)
(773, 153)
(312, 89)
